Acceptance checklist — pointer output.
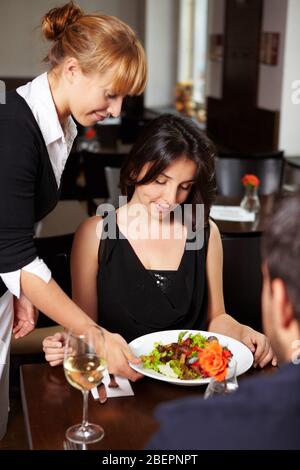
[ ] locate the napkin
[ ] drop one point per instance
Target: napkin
(124, 389)
(232, 213)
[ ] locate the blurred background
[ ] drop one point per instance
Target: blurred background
(231, 65)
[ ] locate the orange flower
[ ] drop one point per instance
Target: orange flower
(213, 360)
(250, 180)
(90, 133)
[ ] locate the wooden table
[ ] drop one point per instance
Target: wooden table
(51, 405)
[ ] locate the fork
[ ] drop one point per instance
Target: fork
(69, 445)
(113, 383)
(102, 393)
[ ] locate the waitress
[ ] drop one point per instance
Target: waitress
(95, 60)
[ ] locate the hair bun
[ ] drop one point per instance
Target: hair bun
(57, 20)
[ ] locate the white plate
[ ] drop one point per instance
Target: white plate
(145, 344)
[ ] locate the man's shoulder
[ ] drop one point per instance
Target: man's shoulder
(274, 381)
(254, 392)
(241, 420)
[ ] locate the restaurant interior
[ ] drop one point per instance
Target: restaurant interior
(233, 67)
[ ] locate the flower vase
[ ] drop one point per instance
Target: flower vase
(229, 385)
(250, 201)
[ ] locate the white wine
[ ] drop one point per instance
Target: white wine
(84, 371)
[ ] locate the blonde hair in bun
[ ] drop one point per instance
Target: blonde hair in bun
(99, 43)
(55, 22)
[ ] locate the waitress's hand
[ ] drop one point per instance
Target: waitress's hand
(25, 316)
(118, 356)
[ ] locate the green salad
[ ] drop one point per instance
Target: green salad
(181, 359)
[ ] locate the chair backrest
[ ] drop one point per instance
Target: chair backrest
(112, 176)
(69, 187)
(56, 251)
(242, 278)
(93, 166)
(230, 168)
(291, 174)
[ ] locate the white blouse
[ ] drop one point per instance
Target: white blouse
(37, 95)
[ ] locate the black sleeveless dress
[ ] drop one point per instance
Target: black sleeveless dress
(134, 301)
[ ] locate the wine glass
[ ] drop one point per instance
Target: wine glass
(229, 385)
(84, 364)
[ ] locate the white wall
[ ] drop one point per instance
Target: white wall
(22, 47)
(289, 137)
(214, 70)
(161, 49)
(270, 76)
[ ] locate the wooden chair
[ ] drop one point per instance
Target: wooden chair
(242, 278)
(230, 168)
(94, 171)
(291, 175)
(112, 176)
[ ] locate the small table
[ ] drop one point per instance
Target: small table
(245, 228)
(51, 405)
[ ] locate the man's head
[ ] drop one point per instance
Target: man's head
(281, 274)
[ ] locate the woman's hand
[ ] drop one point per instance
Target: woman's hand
(118, 355)
(25, 316)
(260, 346)
(54, 348)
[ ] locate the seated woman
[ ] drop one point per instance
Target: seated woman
(148, 272)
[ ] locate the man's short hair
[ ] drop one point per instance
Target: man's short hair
(281, 247)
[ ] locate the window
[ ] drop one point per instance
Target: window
(192, 47)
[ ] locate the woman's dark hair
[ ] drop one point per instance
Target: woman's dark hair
(281, 247)
(163, 141)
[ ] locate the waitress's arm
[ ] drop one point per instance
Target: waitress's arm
(51, 300)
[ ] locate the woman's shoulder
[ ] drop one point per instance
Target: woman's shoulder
(15, 107)
(18, 126)
(213, 229)
(22, 143)
(214, 238)
(91, 227)
(87, 237)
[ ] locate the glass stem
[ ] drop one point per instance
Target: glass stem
(85, 409)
